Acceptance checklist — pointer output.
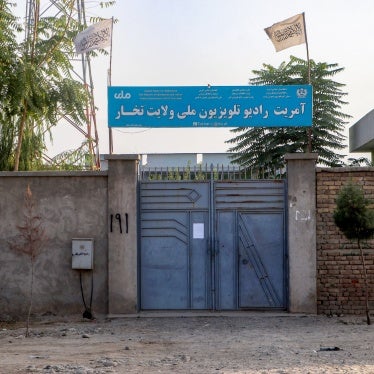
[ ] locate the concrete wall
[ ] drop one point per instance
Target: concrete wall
(72, 205)
(301, 185)
(123, 254)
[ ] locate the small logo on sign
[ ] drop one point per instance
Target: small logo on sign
(301, 93)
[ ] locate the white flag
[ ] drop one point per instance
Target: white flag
(287, 33)
(98, 35)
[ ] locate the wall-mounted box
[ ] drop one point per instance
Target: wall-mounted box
(82, 253)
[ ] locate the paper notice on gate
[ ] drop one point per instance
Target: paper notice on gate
(198, 231)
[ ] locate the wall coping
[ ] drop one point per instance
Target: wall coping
(300, 156)
(346, 169)
(54, 173)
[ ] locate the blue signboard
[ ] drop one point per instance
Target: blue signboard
(209, 106)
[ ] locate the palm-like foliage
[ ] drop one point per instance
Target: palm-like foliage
(47, 84)
(266, 147)
(8, 62)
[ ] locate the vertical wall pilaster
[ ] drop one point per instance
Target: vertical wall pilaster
(122, 247)
(301, 179)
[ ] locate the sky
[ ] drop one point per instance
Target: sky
(218, 42)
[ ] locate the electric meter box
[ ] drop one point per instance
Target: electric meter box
(82, 253)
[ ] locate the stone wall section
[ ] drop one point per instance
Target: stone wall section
(340, 279)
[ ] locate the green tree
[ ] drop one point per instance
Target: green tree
(37, 84)
(266, 147)
(9, 28)
(356, 220)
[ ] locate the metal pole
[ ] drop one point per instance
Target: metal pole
(109, 84)
(309, 81)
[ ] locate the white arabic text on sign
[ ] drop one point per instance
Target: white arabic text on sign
(269, 106)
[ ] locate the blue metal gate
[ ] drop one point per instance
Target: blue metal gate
(212, 245)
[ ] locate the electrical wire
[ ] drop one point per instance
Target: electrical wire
(88, 311)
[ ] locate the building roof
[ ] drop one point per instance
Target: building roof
(361, 134)
(185, 159)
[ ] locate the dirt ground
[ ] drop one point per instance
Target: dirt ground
(248, 342)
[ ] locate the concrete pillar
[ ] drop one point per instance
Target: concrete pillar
(122, 247)
(301, 179)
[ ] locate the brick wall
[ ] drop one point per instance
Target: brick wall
(340, 283)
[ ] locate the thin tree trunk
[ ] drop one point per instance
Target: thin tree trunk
(21, 130)
(31, 297)
(365, 283)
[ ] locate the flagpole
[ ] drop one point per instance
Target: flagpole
(109, 83)
(307, 49)
(309, 81)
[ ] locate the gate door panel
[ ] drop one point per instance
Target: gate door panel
(212, 245)
(165, 260)
(175, 266)
(226, 262)
(261, 276)
(250, 244)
